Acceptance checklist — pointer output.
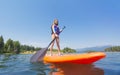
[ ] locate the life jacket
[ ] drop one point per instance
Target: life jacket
(56, 30)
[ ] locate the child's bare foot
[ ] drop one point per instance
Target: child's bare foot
(59, 54)
(51, 54)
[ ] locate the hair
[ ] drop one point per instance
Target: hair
(55, 21)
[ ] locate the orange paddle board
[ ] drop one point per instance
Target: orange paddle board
(85, 58)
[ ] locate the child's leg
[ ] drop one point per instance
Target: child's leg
(51, 48)
(58, 45)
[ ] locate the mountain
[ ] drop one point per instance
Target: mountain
(97, 48)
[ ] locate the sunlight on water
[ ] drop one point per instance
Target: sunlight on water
(20, 65)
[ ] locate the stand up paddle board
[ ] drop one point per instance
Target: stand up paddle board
(85, 58)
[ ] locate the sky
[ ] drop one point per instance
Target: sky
(88, 23)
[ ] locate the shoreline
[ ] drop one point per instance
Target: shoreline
(33, 52)
(28, 52)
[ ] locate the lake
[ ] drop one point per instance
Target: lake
(20, 65)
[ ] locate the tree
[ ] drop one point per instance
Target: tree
(1, 44)
(9, 46)
(113, 49)
(68, 50)
(16, 47)
(37, 48)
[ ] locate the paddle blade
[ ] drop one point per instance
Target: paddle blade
(38, 56)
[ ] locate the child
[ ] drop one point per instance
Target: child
(55, 34)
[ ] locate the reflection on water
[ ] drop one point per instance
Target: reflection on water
(20, 65)
(75, 69)
(39, 68)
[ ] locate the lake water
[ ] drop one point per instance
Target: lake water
(20, 65)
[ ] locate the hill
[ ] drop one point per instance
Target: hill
(97, 48)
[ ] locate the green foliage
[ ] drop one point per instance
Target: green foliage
(1, 44)
(29, 48)
(37, 48)
(113, 49)
(9, 46)
(68, 50)
(14, 46)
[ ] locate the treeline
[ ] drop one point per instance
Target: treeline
(14, 46)
(68, 50)
(113, 49)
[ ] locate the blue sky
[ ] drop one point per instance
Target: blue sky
(88, 22)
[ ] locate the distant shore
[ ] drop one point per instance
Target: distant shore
(33, 52)
(28, 52)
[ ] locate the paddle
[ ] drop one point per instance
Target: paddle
(39, 55)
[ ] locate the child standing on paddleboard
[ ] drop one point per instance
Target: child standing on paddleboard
(55, 34)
